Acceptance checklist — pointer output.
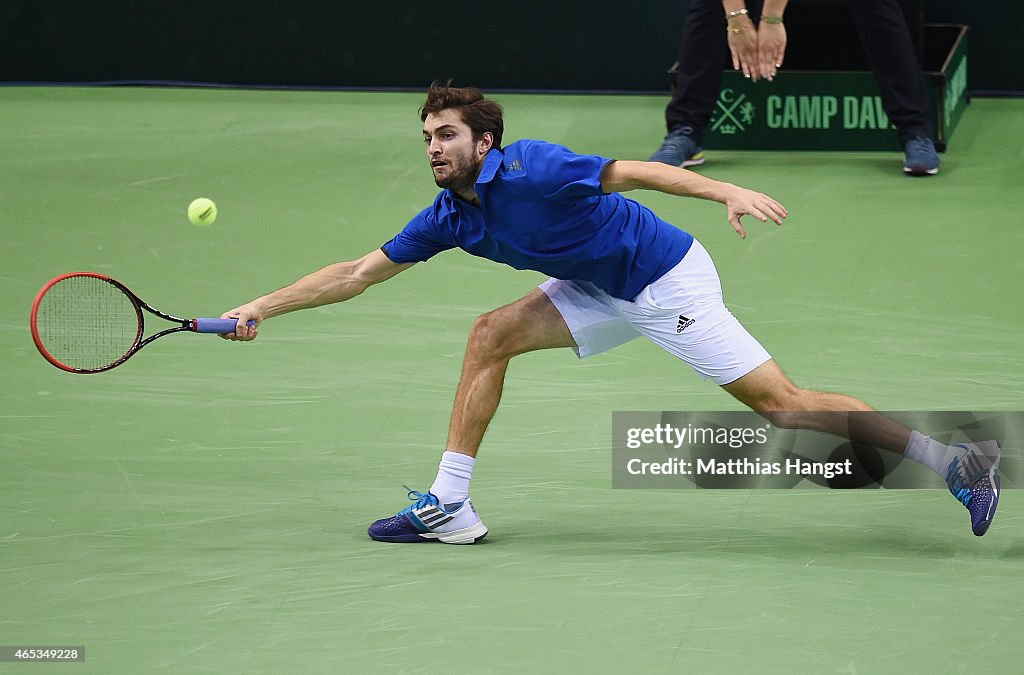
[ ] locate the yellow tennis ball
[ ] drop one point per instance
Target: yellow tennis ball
(202, 212)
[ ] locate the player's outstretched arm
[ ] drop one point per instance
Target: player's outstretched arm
(624, 175)
(334, 283)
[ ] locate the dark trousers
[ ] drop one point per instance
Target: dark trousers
(704, 47)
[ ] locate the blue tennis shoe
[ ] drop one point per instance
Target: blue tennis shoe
(679, 149)
(426, 520)
(974, 480)
(920, 158)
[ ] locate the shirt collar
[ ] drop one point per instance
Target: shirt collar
(492, 161)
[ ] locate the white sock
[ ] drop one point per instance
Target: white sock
(451, 487)
(934, 455)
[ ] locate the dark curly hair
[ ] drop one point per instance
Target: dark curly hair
(480, 114)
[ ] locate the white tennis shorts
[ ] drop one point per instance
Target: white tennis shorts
(682, 312)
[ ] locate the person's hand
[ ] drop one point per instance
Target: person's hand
(743, 45)
(741, 202)
(771, 48)
(243, 315)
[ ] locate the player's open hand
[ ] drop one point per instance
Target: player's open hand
(741, 202)
(243, 315)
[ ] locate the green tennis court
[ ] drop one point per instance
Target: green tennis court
(203, 508)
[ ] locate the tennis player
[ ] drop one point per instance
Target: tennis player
(617, 272)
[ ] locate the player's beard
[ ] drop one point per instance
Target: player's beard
(459, 174)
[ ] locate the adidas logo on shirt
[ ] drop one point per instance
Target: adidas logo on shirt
(515, 165)
(684, 323)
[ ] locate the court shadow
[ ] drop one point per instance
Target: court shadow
(1014, 551)
(783, 543)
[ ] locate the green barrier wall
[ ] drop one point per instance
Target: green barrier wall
(836, 110)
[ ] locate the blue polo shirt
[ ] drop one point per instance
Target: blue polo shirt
(542, 209)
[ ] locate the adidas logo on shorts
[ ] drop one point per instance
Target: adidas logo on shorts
(684, 323)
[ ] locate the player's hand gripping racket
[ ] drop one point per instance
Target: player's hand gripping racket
(87, 323)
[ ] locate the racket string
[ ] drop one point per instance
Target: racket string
(88, 323)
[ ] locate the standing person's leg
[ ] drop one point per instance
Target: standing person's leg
(890, 51)
(702, 50)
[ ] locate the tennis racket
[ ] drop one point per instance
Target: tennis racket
(85, 322)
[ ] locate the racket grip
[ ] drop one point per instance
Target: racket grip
(221, 326)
